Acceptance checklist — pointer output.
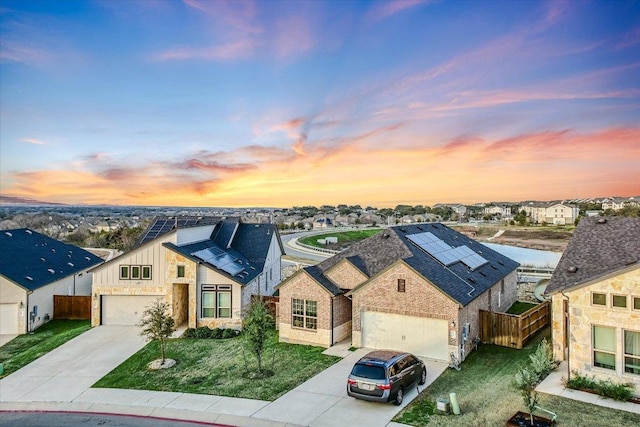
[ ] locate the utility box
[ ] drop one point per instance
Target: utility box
(442, 404)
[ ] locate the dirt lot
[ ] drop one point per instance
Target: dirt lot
(547, 239)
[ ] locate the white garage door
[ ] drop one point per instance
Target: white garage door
(9, 318)
(418, 335)
(124, 309)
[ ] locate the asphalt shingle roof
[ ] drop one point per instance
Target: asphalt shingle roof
(462, 284)
(599, 246)
(250, 245)
(34, 260)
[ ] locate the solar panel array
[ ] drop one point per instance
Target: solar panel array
(220, 259)
(444, 253)
(164, 225)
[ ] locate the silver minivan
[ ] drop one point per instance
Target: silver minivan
(384, 376)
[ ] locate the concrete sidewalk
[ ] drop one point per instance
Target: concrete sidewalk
(553, 385)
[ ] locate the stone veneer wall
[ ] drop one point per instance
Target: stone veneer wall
(583, 315)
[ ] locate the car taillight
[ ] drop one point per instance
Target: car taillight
(351, 382)
(384, 386)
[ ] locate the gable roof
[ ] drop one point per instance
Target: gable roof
(461, 283)
(599, 246)
(248, 246)
(33, 260)
(161, 225)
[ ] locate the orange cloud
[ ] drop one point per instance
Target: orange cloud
(363, 169)
(34, 141)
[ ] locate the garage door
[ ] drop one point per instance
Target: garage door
(418, 335)
(9, 318)
(124, 309)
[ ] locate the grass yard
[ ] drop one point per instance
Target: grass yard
(344, 237)
(24, 349)
(488, 398)
(218, 367)
(520, 307)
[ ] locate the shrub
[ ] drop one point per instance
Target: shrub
(204, 332)
(229, 333)
(605, 388)
(542, 362)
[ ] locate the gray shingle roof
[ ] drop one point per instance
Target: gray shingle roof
(599, 246)
(462, 284)
(250, 245)
(33, 260)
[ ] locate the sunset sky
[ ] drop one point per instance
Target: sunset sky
(283, 103)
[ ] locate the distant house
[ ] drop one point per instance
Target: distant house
(551, 213)
(206, 268)
(595, 293)
(617, 203)
(323, 222)
(34, 268)
(417, 288)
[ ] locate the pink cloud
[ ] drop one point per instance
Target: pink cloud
(384, 9)
(34, 141)
(19, 52)
(292, 37)
(230, 51)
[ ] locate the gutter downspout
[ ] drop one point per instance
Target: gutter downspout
(567, 327)
(332, 299)
(27, 316)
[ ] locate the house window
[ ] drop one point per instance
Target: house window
(604, 347)
(598, 299)
(124, 271)
(216, 301)
(619, 301)
(146, 272)
(180, 272)
(305, 314)
(401, 285)
(632, 352)
(636, 303)
(135, 271)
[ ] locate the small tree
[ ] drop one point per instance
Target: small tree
(526, 381)
(258, 322)
(156, 324)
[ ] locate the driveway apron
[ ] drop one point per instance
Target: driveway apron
(322, 401)
(66, 372)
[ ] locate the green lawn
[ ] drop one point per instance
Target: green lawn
(488, 398)
(344, 237)
(520, 307)
(220, 367)
(24, 349)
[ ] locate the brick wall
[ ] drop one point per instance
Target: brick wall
(345, 275)
(302, 286)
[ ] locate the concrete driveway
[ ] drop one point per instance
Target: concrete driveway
(322, 401)
(64, 373)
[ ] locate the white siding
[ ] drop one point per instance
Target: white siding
(207, 276)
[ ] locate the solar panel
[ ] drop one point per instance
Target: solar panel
(220, 259)
(446, 254)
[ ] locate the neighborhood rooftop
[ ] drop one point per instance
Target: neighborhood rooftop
(600, 246)
(163, 224)
(449, 267)
(33, 260)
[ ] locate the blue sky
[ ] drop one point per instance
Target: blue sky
(212, 103)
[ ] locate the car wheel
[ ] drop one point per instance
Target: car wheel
(423, 377)
(399, 397)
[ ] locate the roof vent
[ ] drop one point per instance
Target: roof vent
(28, 278)
(572, 269)
(70, 264)
(385, 235)
(8, 234)
(87, 258)
(42, 259)
(28, 231)
(53, 250)
(602, 220)
(51, 270)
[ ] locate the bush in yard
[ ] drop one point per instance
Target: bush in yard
(542, 362)
(605, 388)
(256, 327)
(156, 324)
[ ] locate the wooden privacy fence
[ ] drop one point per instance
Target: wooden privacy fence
(511, 330)
(72, 307)
(271, 302)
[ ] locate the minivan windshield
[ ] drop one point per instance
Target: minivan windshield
(368, 371)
